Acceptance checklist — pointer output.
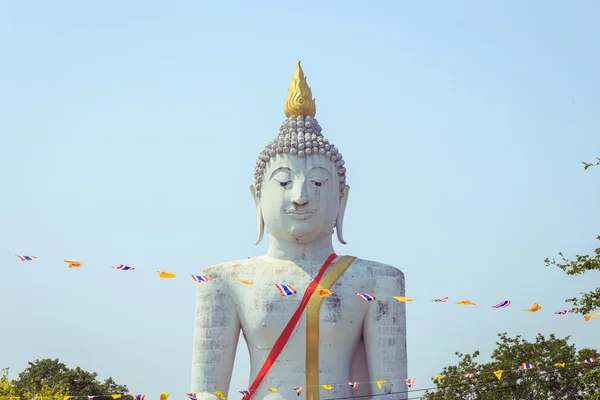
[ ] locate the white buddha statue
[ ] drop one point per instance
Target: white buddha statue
(300, 195)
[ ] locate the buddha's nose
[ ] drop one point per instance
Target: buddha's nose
(299, 194)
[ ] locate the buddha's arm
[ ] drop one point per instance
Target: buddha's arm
(216, 333)
(384, 332)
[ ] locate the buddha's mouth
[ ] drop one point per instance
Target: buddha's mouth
(300, 214)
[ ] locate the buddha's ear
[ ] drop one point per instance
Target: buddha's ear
(339, 222)
(259, 218)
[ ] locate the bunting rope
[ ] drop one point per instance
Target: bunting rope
(287, 290)
(192, 396)
(471, 374)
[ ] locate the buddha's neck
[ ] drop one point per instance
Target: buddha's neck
(316, 251)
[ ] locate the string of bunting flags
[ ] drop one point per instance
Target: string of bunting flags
(287, 290)
(298, 389)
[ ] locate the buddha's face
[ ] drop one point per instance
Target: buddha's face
(300, 197)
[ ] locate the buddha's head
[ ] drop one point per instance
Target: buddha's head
(299, 189)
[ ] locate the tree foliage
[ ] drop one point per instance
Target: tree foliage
(581, 264)
(49, 378)
(586, 165)
(6, 385)
(575, 381)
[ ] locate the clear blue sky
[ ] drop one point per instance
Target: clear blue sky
(129, 132)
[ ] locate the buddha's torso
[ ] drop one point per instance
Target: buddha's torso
(263, 313)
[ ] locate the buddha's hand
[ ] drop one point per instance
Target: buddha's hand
(206, 396)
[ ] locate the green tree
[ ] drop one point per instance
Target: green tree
(51, 378)
(546, 381)
(581, 264)
(6, 385)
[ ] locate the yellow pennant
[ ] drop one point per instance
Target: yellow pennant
(327, 387)
(164, 396)
(244, 281)
(166, 275)
(380, 383)
(590, 317)
(73, 264)
(562, 365)
(465, 303)
(438, 377)
(498, 373)
(272, 389)
(116, 396)
(535, 307)
(68, 397)
(219, 395)
(324, 292)
(402, 299)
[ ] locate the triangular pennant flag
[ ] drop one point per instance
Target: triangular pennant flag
(327, 387)
(590, 317)
(164, 396)
(166, 275)
(535, 307)
(219, 395)
(73, 264)
(380, 383)
(498, 373)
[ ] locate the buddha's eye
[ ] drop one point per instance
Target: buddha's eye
(318, 183)
(283, 184)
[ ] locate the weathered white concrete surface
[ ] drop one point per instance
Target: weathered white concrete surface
(261, 312)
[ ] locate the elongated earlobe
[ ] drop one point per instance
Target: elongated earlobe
(339, 222)
(259, 218)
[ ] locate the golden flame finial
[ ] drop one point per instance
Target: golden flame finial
(299, 100)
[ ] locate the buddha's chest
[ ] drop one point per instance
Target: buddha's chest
(265, 309)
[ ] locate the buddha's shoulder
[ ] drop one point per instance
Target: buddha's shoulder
(229, 269)
(377, 269)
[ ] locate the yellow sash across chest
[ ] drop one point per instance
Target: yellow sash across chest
(312, 326)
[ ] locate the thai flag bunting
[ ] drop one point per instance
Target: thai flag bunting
(298, 390)
(563, 312)
(503, 304)
(410, 382)
(124, 268)
(201, 278)
(444, 300)
(469, 375)
(244, 392)
(26, 258)
(285, 290)
(527, 366)
(140, 397)
(366, 296)
(589, 360)
(354, 385)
